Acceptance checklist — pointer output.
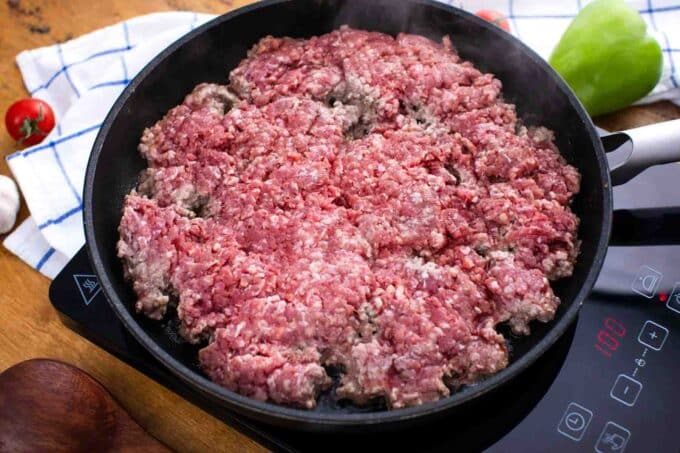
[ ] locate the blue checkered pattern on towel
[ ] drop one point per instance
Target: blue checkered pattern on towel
(82, 78)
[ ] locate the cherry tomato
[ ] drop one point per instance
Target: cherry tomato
(495, 18)
(29, 121)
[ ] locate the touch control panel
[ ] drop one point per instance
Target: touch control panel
(618, 389)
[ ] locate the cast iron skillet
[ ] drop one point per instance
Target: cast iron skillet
(207, 55)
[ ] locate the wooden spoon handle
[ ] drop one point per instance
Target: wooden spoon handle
(47, 405)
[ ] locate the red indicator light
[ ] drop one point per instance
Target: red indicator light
(663, 297)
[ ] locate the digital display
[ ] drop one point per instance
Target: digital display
(609, 336)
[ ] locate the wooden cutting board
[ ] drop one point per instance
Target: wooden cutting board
(29, 326)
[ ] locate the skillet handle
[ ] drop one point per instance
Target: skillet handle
(652, 145)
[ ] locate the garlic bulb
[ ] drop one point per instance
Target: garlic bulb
(9, 204)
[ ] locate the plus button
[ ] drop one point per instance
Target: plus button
(653, 335)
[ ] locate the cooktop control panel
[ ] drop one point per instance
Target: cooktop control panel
(618, 389)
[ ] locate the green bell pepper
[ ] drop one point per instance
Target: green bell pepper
(607, 57)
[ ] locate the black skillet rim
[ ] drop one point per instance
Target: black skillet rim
(252, 407)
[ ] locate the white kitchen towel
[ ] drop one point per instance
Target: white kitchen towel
(80, 79)
(83, 77)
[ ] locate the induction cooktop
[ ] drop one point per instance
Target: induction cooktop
(611, 384)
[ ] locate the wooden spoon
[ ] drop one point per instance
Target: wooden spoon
(47, 405)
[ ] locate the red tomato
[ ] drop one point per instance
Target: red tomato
(29, 120)
(495, 18)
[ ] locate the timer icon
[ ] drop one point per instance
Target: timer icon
(574, 422)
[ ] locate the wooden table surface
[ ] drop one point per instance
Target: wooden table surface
(29, 326)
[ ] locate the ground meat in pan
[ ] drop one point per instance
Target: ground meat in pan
(353, 201)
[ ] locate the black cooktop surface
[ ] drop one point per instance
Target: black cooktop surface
(609, 385)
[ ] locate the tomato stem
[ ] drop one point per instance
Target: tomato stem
(29, 126)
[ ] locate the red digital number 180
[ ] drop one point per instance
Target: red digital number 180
(608, 337)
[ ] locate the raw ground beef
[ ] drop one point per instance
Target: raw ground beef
(353, 201)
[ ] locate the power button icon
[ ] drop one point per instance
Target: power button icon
(574, 422)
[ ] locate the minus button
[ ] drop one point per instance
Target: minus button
(626, 390)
